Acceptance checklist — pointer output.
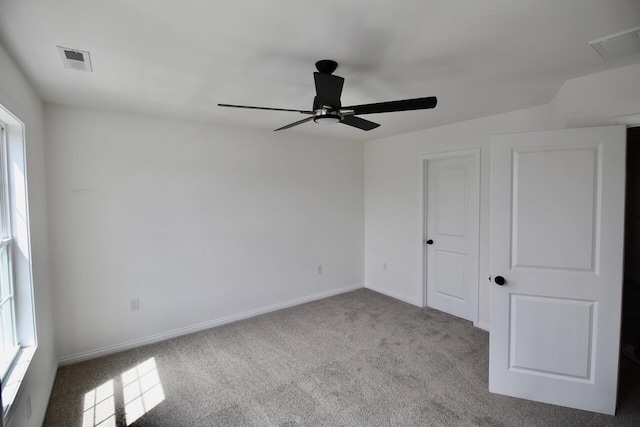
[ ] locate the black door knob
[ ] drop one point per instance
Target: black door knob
(499, 280)
(429, 242)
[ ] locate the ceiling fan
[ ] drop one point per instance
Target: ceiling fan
(328, 109)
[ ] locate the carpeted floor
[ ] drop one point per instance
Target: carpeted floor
(357, 359)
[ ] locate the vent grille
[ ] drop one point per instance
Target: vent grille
(75, 59)
(617, 45)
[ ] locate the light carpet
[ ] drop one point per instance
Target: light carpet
(356, 359)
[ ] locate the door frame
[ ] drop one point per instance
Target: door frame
(475, 154)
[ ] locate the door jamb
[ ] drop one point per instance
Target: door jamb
(475, 153)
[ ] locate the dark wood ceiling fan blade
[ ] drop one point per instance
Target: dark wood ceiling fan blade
(359, 123)
(265, 108)
(328, 90)
(391, 106)
(299, 122)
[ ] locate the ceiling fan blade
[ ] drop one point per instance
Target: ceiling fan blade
(299, 122)
(265, 108)
(388, 107)
(328, 90)
(359, 123)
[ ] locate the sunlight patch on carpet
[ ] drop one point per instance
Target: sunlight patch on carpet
(141, 392)
(99, 407)
(141, 389)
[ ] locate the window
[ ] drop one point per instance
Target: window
(18, 340)
(9, 345)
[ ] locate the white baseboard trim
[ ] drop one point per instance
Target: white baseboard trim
(92, 354)
(412, 301)
(482, 325)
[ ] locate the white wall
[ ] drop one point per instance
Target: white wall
(200, 222)
(17, 96)
(394, 186)
(595, 99)
(394, 198)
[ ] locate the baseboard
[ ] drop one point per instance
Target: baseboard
(404, 298)
(482, 325)
(75, 358)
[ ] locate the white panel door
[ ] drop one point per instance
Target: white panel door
(557, 227)
(452, 235)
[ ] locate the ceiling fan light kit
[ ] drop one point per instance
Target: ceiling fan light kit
(329, 119)
(325, 116)
(327, 108)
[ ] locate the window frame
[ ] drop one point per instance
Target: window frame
(6, 243)
(18, 222)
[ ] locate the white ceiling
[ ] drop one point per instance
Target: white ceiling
(179, 59)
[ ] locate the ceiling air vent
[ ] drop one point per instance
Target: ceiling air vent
(75, 59)
(617, 45)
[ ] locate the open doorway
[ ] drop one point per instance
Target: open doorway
(629, 373)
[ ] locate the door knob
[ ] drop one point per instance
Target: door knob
(499, 280)
(429, 242)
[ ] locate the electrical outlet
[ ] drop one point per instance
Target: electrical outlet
(134, 304)
(384, 266)
(319, 269)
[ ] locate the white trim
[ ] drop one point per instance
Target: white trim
(20, 376)
(16, 134)
(475, 153)
(404, 298)
(15, 137)
(91, 354)
(630, 121)
(482, 325)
